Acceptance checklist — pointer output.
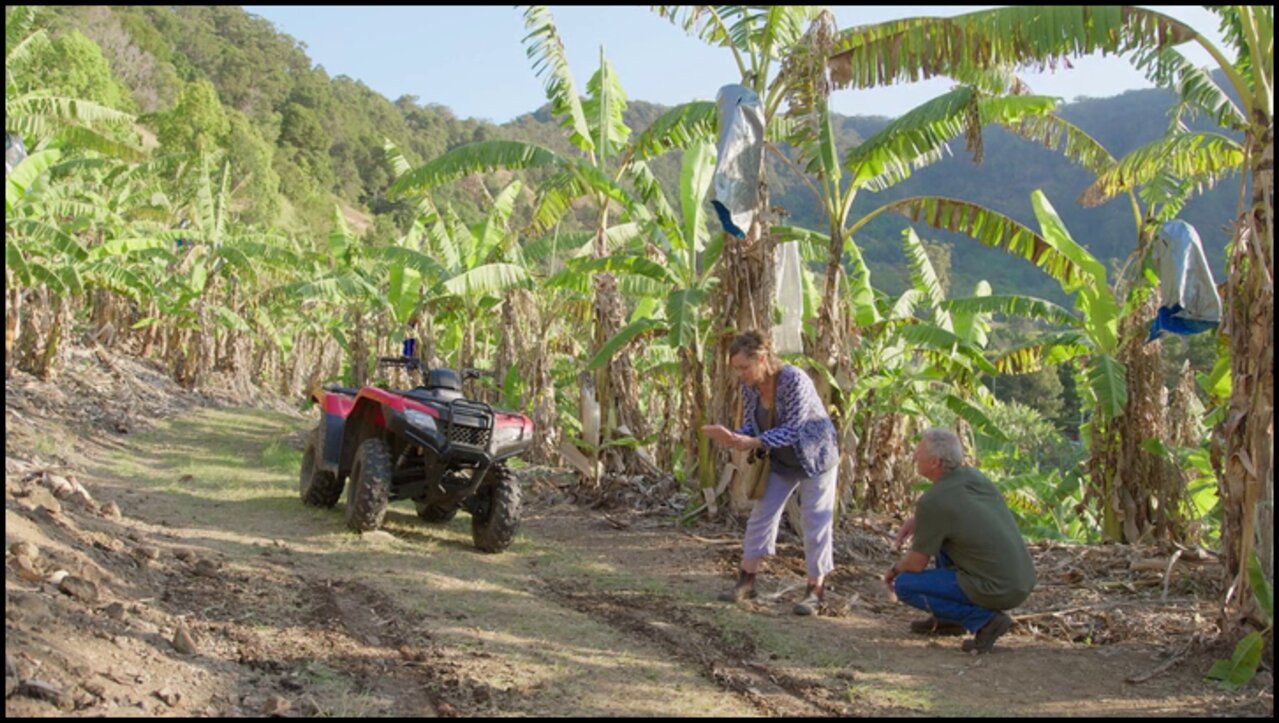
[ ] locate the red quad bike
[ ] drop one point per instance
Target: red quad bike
(428, 444)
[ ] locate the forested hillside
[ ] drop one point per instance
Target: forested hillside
(208, 77)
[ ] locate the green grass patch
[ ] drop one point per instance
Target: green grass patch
(47, 445)
(887, 693)
(221, 455)
(337, 695)
(281, 457)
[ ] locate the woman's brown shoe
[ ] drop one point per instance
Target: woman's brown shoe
(811, 603)
(743, 590)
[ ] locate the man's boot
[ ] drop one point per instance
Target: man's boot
(743, 590)
(985, 638)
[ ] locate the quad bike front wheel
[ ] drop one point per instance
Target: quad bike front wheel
(496, 515)
(317, 488)
(369, 488)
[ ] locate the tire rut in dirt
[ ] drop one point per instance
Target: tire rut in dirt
(424, 670)
(727, 661)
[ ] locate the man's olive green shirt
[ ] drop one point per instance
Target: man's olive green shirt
(964, 514)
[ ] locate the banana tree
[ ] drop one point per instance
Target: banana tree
(53, 127)
(1097, 335)
(917, 139)
(337, 291)
(759, 39)
(58, 212)
(1054, 251)
(756, 37)
(922, 47)
(919, 350)
(913, 141)
(39, 255)
(549, 327)
(463, 269)
(595, 129)
(1159, 178)
(673, 292)
(1184, 160)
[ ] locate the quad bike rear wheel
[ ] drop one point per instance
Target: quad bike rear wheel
(369, 489)
(496, 515)
(317, 488)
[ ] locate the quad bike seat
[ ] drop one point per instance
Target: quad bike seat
(443, 379)
(442, 385)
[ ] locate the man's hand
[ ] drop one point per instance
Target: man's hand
(907, 529)
(889, 577)
(912, 562)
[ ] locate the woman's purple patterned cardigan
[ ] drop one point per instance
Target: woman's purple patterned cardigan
(804, 422)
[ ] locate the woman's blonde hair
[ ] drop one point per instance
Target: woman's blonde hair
(753, 343)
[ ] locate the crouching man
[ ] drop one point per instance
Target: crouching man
(982, 566)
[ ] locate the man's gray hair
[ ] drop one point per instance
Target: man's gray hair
(944, 444)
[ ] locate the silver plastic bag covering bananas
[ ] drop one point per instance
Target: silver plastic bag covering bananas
(14, 152)
(740, 157)
(787, 337)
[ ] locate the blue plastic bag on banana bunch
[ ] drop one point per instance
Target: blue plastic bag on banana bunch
(1188, 300)
(740, 157)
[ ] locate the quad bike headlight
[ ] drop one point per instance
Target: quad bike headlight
(421, 420)
(506, 435)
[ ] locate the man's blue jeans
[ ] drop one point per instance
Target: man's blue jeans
(937, 591)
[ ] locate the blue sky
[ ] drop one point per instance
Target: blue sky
(472, 59)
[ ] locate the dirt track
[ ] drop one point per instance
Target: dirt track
(587, 614)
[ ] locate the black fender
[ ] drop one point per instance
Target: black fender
(367, 419)
(334, 406)
(330, 440)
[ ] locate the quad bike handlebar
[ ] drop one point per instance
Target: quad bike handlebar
(473, 373)
(408, 362)
(415, 364)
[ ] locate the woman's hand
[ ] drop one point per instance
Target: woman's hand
(719, 433)
(729, 438)
(889, 577)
